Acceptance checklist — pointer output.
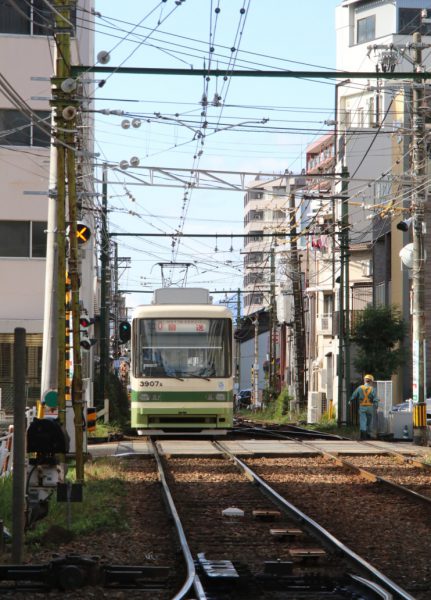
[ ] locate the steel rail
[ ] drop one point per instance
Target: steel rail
(192, 579)
(402, 457)
(369, 475)
(324, 535)
(378, 479)
(299, 431)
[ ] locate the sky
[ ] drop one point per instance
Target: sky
(257, 125)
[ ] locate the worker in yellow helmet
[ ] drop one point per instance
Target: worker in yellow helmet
(366, 396)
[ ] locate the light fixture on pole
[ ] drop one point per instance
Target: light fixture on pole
(405, 225)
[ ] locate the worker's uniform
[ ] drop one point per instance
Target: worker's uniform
(366, 395)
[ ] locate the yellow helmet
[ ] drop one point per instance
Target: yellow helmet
(370, 377)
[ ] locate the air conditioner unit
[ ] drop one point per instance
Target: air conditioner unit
(314, 408)
(367, 268)
(324, 324)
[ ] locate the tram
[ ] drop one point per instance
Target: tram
(181, 364)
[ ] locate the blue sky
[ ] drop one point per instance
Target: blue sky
(270, 34)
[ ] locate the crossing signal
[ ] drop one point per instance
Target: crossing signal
(83, 233)
(86, 342)
(124, 331)
(85, 322)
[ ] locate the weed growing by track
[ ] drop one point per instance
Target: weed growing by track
(104, 496)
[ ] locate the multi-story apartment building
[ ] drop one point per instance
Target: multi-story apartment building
(264, 213)
(322, 267)
(265, 209)
(374, 135)
(27, 34)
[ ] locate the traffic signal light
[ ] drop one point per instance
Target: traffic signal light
(86, 342)
(124, 331)
(85, 322)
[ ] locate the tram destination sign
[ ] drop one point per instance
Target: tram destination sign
(182, 325)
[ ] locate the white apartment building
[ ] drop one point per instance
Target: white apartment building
(27, 62)
(266, 208)
(374, 124)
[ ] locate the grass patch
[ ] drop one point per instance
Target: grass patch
(278, 412)
(6, 500)
(104, 430)
(103, 506)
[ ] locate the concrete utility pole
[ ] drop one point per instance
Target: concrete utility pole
(344, 321)
(298, 310)
(272, 323)
(104, 315)
(255, 378)
(65, 124)
(238, 342)
(19, 445)
(418, 273)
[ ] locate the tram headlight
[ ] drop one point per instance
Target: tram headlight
(144, 397)
(219, 396)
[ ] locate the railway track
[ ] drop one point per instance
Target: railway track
(257, 551)
(271, 551)
(384, 523)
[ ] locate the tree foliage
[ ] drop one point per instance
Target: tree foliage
(378, 334)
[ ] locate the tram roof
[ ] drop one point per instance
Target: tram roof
(185, 311)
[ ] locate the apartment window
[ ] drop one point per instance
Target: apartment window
(5, 360)
(23, 239)
(28, 17)
(257, 298)
(253, 258)
(254, 236)
(253, 278)
(409, 21)
(366, 29)
(18, 129)
(328, 304)
(38, 239)
(278, 215)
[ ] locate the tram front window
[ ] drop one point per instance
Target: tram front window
(185, 348)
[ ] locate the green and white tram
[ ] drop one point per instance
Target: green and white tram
(181, 364)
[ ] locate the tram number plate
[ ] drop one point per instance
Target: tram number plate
(151, 384)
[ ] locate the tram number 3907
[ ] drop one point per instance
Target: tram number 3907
(151, 384)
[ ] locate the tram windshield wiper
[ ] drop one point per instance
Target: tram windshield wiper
(193, 376)
(174, 376)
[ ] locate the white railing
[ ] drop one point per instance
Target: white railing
(6, 449)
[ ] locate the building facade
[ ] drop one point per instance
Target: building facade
(27, 33)
(374, 138)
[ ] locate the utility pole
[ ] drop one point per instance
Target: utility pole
(104, 315)
(344, 321)
(116, 301)
(274, 323)
(271, 365)
(19, 445)
(418, 273)
(298, 311)
(255, 378)
(65, 125)
(238, 342)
